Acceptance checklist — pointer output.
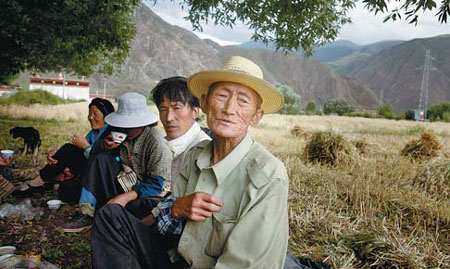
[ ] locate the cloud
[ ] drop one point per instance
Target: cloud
(365, 29)
(174, 14)
(368, 28)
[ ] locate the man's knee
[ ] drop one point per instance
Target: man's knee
(101, 157)
(110, 213)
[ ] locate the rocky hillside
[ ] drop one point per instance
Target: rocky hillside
(347, 64)
(395, 74)
(161, 50)
(310, 78)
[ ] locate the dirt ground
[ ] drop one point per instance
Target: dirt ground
(65, 250)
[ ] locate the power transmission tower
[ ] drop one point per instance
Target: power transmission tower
(423, 101)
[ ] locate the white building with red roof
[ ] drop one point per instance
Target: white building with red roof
(66, 89)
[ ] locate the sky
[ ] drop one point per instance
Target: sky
(365, 29)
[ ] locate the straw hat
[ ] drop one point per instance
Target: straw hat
(243, 71)
(132, 112)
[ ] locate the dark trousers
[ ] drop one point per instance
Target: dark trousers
(69, 156)
(72, 157)
(6, 172)
(100, 178)
(120, 240)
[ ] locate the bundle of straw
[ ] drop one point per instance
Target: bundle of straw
(426, 147)
(328, 148)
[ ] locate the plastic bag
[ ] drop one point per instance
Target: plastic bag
(17, 261)
(24, 210)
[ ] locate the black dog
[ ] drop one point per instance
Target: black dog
(31, 138)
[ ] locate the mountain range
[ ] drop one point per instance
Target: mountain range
(387, 72)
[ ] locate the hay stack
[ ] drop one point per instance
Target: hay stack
(297, 131)
(434, 178)
(426, 147)
(328, 148)
(362, 146)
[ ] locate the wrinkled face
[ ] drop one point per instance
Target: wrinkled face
(176, 117)
(96, 118)
(231, 108)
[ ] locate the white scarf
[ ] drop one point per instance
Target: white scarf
(180, 144)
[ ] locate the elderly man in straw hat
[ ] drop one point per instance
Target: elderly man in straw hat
(229, 208)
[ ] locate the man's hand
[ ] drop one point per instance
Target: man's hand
(109, 142)
(124, 198)
(5, 161)
(50, 159)
(149, 220)
(80, 141)
(197, 207)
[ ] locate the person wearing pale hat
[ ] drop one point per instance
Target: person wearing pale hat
(229, 208)
(143, 158)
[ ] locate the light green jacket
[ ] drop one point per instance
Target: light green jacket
(251, 230)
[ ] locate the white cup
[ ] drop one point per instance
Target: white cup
(54, 204)
(7, 153)
(118, 137)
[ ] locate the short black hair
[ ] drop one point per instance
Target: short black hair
(176, 90)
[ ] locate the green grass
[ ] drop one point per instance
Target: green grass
(27, 98)
(54, 133)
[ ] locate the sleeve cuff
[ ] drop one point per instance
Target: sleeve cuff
(87, 151)
(137, 189)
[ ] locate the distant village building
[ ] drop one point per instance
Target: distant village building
(110, 97)
(73, 89)
(6, 91)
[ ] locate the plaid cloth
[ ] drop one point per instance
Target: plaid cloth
(6, 188)
(166, 224)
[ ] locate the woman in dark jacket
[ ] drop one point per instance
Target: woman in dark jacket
(70, 160)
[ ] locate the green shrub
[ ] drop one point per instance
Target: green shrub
(26, 98)
(436, 112)
(291, 101)
(446, 116)
(359, 114)
(311, 108)
(337, 106)
(385, 111)
(409, 114)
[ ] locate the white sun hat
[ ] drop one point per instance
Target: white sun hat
(243, 71)
(132, 112)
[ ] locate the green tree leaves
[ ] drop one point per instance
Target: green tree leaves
(409, 9)
(81, 37)
(337, 106)
(440, 112)
(289, 24)
(291, 101)
(385, 111)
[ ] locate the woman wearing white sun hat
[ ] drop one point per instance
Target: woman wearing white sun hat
(120, 173)
(229, 208)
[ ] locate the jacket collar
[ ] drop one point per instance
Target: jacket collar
(224, 167)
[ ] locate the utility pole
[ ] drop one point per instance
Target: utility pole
(104, 88)
(423, 101)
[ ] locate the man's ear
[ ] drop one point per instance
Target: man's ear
(257, 117)
(204, 103)
(195, 112)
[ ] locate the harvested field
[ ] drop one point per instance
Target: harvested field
(379, 210)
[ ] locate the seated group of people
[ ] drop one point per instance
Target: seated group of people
(183, 200)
